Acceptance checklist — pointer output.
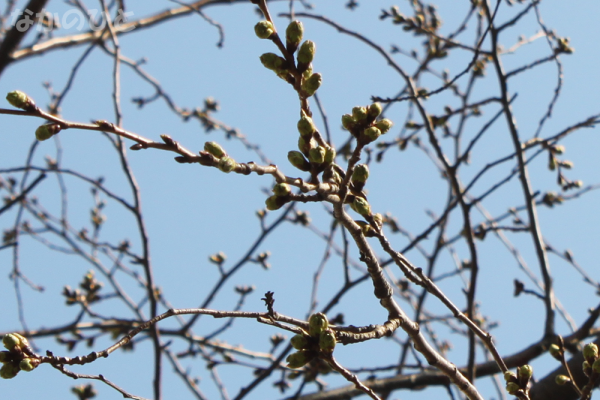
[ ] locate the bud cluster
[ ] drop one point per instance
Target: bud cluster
(591, 365)
(363, 123)
(314, 155)
(280, 197)
(320, 339)
(518, 383)
(226, 163)
(19, 356)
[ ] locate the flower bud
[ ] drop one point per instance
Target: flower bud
(306, 52)
(347, 121)
(510, 376)
(10, 341)
(384, 125)
(366, 228)
(327, 340)
(313, 83)
(275, 202)
(20, 100)
(226, 164)
(374, 110)
(46, 131)
(306, 127)
(297, 160)
(9, 371)
(562, 380)
(299, 358)
(596, 366)
(299, 342)
(282, 189)
(264, 29)
(372, 133)
(525, 372)
(293, 35)
(590, 352)
(215, 149)
(361, 173)
(317, 323)
(272, 61)
(555, 351)
(28, 364)
(378, 219)
(330, 155)
(361, 206)
(512, 388)
(359, 113)
(317, 155)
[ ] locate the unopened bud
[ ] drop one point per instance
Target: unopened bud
(317, 323)
(299, 342)
(327, 340)
(282, 189)
(317, 155)
(359, 113)
(10, 341)
(28, 364)
(306, 126)
(361, 206)
(361, 173)
(297, 160)
(555, 351)
(512, 388)
(372, 133)
(293, 34)
(264, 29)
(215, 149)
(9, 371)
(299, 358)
(330, 155)
(46, 131)
(510, 376)
(590, 352)
(226, 164)
(307, 52)
(374, 110)
(4, 356)
(275, 202)
(313, 83)
(525, 372)
(347, 121)
(562, 380)
(384, 125)
(20, 100)
(272, 61)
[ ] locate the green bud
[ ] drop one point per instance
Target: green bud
(293, 34)
(512, 388)
(46, 131)
(28, 364)
(274, 202)
(272, 61)
(313, 83)
(558, 149)
(308, 72)
(590, 352)
(330, 155)
(10, 341)
(372, 133)
(4, 357)
(361, 173)
(555, 351)
(378, 219)
(299, 359)
(562, 380)
(359, 113)
(596, 366)
(306, 127)
(317, 155)
(264, 29)
(510, 376)
(384, 125)
(327, 340)
(347, 121)
(226, 164)
(297, 160)
(525, 372)
(20, 100)
(215, 149)
(374, 110)
(299, 342)
(317, 323)
(282, 189)
(9, 371)
(361, 206)
(366, 228)
(307, 52)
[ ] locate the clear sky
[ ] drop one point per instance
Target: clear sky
(193, 212)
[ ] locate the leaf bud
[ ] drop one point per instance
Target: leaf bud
(306, 52)
(28, 364)
(297, 160)
(372, 133)
(317, 155)
(299, 358)
(361, 173)
(512, 388)
(590, 352)
(215, 149)
(299, 342)
(327, 340)
(384, 125)
(311, 84)
(275, 202)
(293, 35)
(306, 126)
(347, 121)
(226, 164)
(46, 131)
(20, 100)
(359, 113)
(264, 29)
(10, 341)
(282, 189)
(361, 206)
(330, 155)
(272, 61)
(317, 323)
(9, 371)
(562, 380)
(374, 110)
(525, 372)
